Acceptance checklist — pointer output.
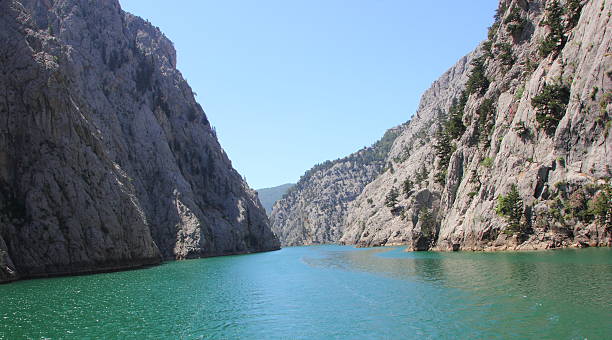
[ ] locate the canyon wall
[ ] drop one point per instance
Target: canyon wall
(106, 159)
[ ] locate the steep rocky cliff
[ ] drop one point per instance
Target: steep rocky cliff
(510, 149)
(106, 159)
(314, 210)
(369, 220)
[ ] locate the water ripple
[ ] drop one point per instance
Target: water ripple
(326, 292)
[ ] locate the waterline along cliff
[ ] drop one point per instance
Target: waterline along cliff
(106, 159)
(509, 149)
(314, 210)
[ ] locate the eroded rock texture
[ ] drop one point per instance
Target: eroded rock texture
(314, 210)
(529, 107)
(106, 159)
(536, 115)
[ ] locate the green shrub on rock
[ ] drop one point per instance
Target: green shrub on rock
(391, 198)
(478, 81)
(407, 187)
(487, 162)
(505, 53)
(551, 104)
(511, 208)
(515, 23)
(559, 20)
(600, 206)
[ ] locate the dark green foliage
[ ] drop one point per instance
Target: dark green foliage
(606, 99)
(487, 162)
(519, 93)
(551, 104)
(407, 187)
(557, 210)
(530, 66)
(594, 92)
(454, 125)
(500, 11)
(381, 148)
(505, 53)
(522, 130)
(491, 35)
(587, 203)
(391, 198)
(478, 82)
(578, 206)
(443, 147)
(487, 47)
(515, 23)
(475, 178)
(448, 131)
(600, 206)
(555, 39)
(574, 8)
(511, 208)
(547, 45)
(144, 75)
(486, 114)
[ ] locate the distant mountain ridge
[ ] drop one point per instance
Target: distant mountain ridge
(269, 196)
(313, 211)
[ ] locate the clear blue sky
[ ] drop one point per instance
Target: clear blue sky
(292, 83)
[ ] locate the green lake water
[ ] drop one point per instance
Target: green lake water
(326, 292)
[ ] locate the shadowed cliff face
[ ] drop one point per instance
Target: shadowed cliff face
(106, 160)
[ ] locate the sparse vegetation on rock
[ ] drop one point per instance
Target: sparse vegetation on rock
(391, 198)
(551, 104)
(510, 206)
(478, 81)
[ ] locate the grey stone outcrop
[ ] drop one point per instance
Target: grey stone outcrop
(106, 159)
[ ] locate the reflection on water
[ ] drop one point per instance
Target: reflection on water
(551, 292)
(324, 292)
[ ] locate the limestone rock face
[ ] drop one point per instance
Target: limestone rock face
(530, 108)
(106, 159)
(314, 210)
(370, 222)
(557, 154)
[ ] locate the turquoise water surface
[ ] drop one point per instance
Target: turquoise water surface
(326, 292)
